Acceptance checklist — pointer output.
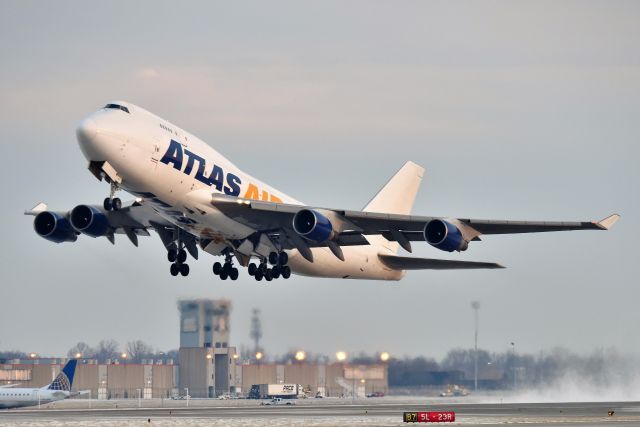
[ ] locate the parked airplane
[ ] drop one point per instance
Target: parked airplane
(59, 389)
(192, 196)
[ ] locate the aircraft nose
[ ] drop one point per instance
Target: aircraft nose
(86, 130)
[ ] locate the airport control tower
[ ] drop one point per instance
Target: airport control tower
(205, 357)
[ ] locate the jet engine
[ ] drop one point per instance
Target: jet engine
(89, 220)
(313, 225)
(54, 227)
(444, 236)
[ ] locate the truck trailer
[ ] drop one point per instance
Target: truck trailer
(268, 391)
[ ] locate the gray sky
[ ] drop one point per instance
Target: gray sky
(520, 110)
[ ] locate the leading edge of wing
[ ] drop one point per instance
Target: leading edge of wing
(410, 263)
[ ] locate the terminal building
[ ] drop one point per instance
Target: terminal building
(207, 367)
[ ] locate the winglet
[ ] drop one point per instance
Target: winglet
(40, 207)
(608, 222)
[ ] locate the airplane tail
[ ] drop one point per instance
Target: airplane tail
(396, 197)
(64, 380)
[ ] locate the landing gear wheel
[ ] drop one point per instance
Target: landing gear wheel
(182, 255)
(107, 204)
(175, 269)
(234, 273)
(268, 277)
(258, 276)
(283, 258)
(252, 269)
(184, 269)
(116, 203)
(217, 268)
(223, 274)
(263, 269)
(273, 258)
(275, 272)
(286, 272)
(172, 255)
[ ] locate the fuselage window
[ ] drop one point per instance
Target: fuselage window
(118, 107)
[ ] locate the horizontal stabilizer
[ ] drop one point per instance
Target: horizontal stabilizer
(608, 222)
(409, 263)
(40, 207)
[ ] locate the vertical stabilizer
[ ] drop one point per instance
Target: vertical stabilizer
(399, 193)
(396, 197)
(64, 380)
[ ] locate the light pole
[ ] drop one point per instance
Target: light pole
(139, 398)
(186, 390)
(476, 306)
(513, 352)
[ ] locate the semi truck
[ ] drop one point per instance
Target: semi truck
(268, 391)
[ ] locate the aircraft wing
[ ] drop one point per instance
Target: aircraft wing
(352, 226)
(133, 220)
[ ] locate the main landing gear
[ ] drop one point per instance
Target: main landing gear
(226, 270)
(112, 203)
(280, 268)
(178, 258)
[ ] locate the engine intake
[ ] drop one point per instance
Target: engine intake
(54, 227)
(444, 236)
(89, 220)
(312, 225)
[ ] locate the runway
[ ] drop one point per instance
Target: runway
(372, 412)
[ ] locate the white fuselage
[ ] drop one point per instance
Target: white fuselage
(19, 397)
(169, 168)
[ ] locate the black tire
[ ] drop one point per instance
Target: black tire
(175, 269)
(286, 272)
(283, 258)
(252, 269)
(234, 273)
(273, 258)
(226, 268)
(107, 205)
(224, 275)
(184, 269)
(116, 203)
(217, 268)
(275, 272)
(182, 255)
(269, 276)
(171, 255)
(263, 268)
(258, 276)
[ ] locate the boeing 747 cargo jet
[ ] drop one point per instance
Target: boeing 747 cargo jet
(59, 389)
(195, 198)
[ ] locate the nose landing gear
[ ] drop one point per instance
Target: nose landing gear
(112, 203)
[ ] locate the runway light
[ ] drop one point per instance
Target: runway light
(33, 355)
(124, 355)
(341, 356)
(259, 355)
(78, 355)
(300, 355)
(384, 356)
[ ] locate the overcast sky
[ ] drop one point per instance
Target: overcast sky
(517, 110)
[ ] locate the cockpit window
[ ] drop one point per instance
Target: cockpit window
(117, 107)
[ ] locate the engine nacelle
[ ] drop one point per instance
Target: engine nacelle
(90, 221)
(54, 227)
(444, 236)
(312, 225)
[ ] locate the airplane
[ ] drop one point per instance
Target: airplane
(59, 389)
(194, 197)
